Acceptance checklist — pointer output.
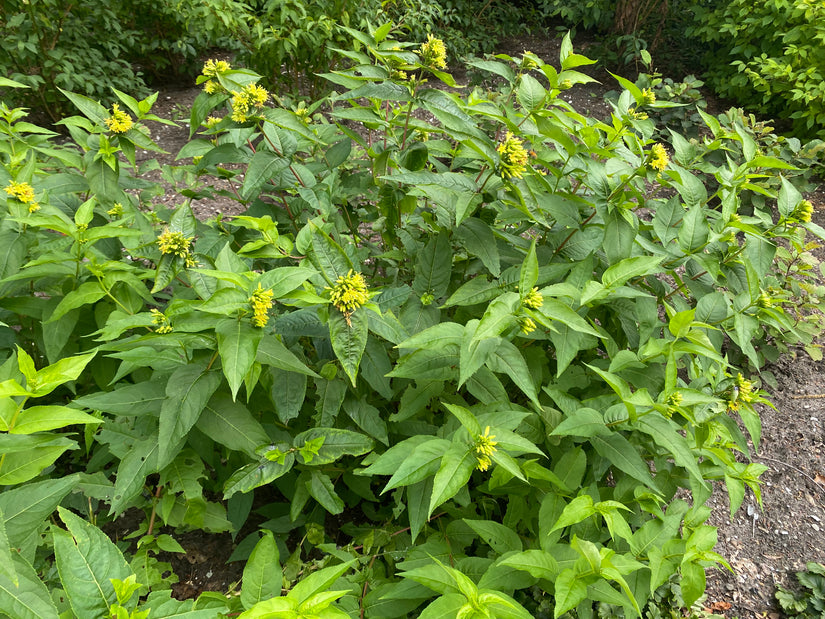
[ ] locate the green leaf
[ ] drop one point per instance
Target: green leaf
(349, 339)
(231, 424)
(789, 197)
(434, 267)
(537, 563)
(91, 109)
(41, 418)
(531, 93)
(570, 590)
(507, 359)
(337, 443)
(132, 400)
(25, 508)
(499, 537)
(140, 461)
(327, 255)
(318, 582)
(273, 353)
(623, 455)
(260, 577)
(189, 389)
(630, 268)
(457, 466)
(7, 568)
(23, 466)
(321, 489)
(87, 559)
(447, 605)
(529, 273)
(263, 167)
(27, 598)
(257, 474)
(88, 292)
(478, 239)
(694, 231)
(465, 417)
(579, 509)
(237, 344)
(423, 462)
(584, 422)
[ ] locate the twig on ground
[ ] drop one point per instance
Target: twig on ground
(812, 396)
(795, 468)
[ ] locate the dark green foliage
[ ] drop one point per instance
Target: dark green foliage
(457, 364)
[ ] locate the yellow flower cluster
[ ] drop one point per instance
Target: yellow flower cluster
(741, 392)
(673, 401)
(533, 299)
(162, 322)
(648, 97)
(526, 324)
(250, 97)
(349, 293)
(213, 68)
(636, 115)
(212, 121)
(24, 193)
(176, 244)
(261, 301)
(528, 61)
(803, 211)
(434, 53)
(116, 210)
(119, 121)
(764, 300)
(658, 158)
(513, 157)
(485, 447)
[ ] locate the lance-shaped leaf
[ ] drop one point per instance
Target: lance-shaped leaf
(87, 559)
(238, 345)
(457, 466)
(260, 577)
(26, 597)
(349, 339)
(187, 392)
(327, 255)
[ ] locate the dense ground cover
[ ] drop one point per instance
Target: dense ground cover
(501, 317)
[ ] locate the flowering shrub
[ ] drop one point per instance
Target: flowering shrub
(461, 364)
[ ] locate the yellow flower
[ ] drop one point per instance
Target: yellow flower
(210, 87)
(636, 115)
(533, 299)
(162, 322)
(745, 388)
(484, 447)
(261, 301)
(116, 210)
(658, 158)
(250, 96)
(119, 121)
(434, 52)
(673, 401)
(803, 211)
(22, 191)
(212, 121)
(349, 293)
(526, 324)
(529, 61)
(513, 157)
(33, 206)
(212, 68)
(648, 97)
(175, 244)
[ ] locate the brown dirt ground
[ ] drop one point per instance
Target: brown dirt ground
(764, 545)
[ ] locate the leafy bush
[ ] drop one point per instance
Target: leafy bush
(468, 358)
(90, 47)
(770, 57)
(810, 600)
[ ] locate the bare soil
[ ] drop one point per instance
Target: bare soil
(765, 545)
